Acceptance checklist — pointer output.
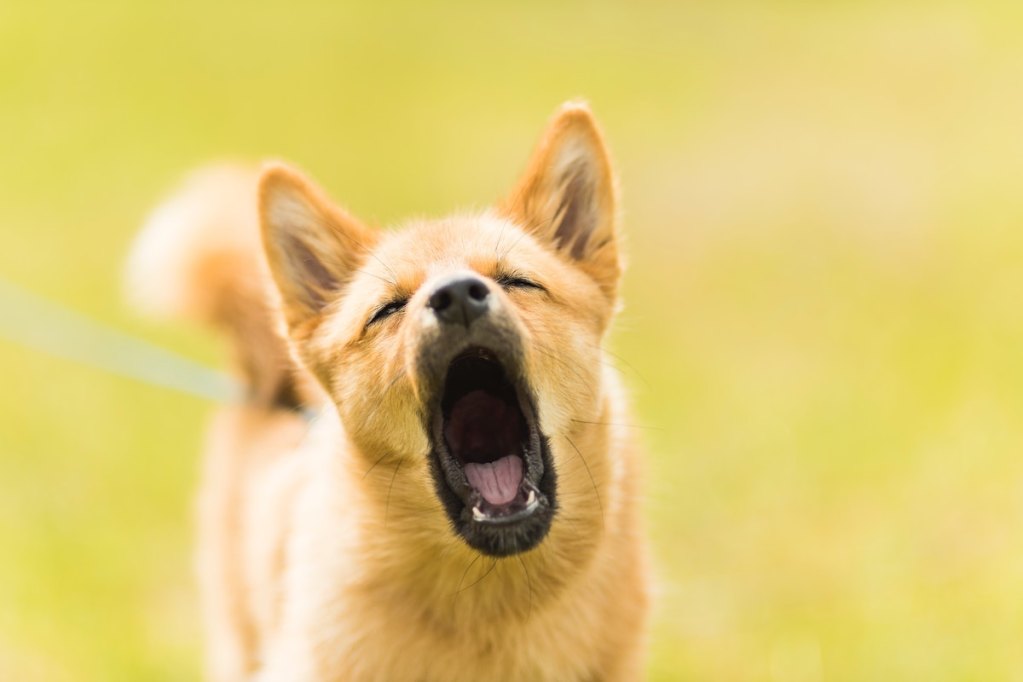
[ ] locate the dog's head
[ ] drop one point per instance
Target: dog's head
(463, 348)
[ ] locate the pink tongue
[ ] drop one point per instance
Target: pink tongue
(498, 481)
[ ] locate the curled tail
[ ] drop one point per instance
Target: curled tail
(200, 257)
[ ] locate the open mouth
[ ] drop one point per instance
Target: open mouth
(491, 458)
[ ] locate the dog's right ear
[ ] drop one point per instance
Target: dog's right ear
(313, 247)
(567, 196)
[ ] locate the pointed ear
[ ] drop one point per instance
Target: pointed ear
(567, 196)
(313, 247)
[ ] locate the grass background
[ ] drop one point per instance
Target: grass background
(824, 324)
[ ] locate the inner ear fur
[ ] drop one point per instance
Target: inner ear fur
(312, 246)
(568, 197)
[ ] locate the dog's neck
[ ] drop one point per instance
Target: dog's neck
(415, 562)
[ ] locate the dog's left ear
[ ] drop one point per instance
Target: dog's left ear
(567, 196)
(312, 246)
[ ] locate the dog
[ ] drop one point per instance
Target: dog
(429, 475)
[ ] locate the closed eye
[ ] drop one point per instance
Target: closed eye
(519, 282)
(387, 310)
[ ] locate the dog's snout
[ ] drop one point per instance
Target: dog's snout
(460, 300)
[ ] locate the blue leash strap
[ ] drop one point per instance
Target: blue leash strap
(34, 322)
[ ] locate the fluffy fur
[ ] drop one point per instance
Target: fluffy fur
(324, 551)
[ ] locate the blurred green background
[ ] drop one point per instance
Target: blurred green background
(824, 321)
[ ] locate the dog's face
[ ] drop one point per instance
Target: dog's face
(463, 347)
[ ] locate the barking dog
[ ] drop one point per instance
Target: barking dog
(465, 506)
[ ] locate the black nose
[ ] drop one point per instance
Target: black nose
(460, 300)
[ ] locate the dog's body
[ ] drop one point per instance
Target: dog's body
(465, 506)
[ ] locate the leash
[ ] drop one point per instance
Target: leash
(41, 325)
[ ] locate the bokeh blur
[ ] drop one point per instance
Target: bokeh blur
(823, 327)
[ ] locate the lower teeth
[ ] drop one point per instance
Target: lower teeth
(530, 503)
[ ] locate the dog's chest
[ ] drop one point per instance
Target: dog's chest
(398, 648)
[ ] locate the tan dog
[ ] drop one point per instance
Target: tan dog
(466, 507)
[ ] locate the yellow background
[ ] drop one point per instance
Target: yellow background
(824, 319)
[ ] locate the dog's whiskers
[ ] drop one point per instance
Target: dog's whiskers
(529, 587)
(628, 426)
(394, 278)
(374, 465)
(458, 588)
(373, 274)
(380, 403)
(497, 246)
(586, 464)
(480, 579)
(534, 228)
(573, 368)
(387, 506)
(625, 362)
